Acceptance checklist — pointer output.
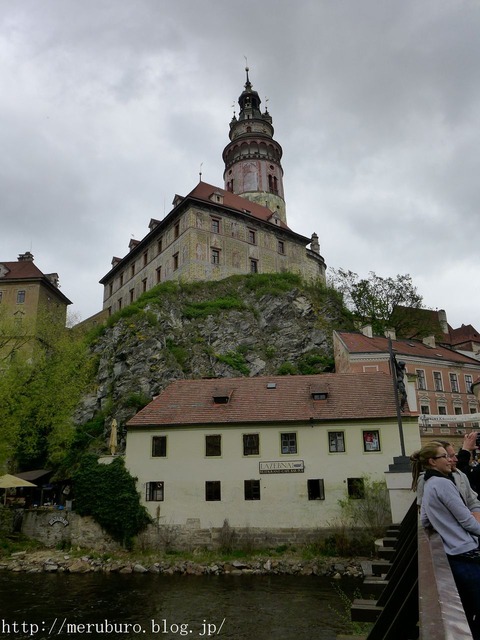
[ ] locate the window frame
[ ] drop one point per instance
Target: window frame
(251, 489)
(159, 446)
(215, 225)
(421, 379)
(437, 381)
(252, 236)
(292, 444)
(468, 382)
(249, 449)
(215, 256)
(316, 489)
(213, 446)
(333, 441)
(371, 440)
(155, 491)
(21, 296)
(454, 385)
(213, 491)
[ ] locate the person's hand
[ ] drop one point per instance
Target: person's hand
(476, 515)
(469, 441)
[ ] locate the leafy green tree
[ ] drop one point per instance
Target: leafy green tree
(107, 492)
(374, 299)
(39, 390)
(370, 511)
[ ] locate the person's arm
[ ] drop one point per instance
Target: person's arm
(451, 499)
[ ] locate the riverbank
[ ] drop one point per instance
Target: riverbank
(50, 561)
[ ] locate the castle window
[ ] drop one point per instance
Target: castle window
(132, 295)
(144, 285)
(176, 231)
(281, 247)
(253, 266)
(215, 256)
(21, 296)
(145, 258)
(110, 290)
(252, 236)
(121, 279)
(160, 245)
(154, 491)
(215, 225)
(252, 489)
(175, 262)
(159, 274)
(132, 270)
(119, 303)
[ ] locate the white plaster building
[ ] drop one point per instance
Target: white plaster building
(269, 453)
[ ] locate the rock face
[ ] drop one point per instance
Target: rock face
(223, 329)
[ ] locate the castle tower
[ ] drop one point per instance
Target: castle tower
(252, 157)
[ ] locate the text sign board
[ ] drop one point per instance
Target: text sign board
(282, 466)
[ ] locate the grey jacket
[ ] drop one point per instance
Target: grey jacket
(463, 485)
(444, 510)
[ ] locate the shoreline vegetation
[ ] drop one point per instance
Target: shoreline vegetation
(28, 558)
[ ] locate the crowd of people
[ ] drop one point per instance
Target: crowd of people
(446, 484)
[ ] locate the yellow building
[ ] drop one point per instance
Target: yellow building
(26, 295)
(213, 233)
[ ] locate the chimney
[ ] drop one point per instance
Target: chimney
(442, 319)
(314, 244)
(25, 257)
(429, 341)
(391, 333)
(367, 330)
(54, 279)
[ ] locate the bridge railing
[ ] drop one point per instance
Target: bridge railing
(419, 599)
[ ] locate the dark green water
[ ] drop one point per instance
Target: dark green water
(44, 606)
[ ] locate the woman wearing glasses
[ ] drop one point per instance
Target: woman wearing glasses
(444, 509)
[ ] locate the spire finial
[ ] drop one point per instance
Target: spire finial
(247, 69)
(200, 172)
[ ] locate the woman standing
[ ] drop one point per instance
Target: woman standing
(444, 509)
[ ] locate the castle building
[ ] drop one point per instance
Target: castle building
(213, 233)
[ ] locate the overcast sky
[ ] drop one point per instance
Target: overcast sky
(108, 108)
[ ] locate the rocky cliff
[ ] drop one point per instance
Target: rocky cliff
(252, 325)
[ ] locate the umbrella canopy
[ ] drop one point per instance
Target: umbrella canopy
(9, 482)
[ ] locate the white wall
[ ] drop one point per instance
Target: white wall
(284, 500)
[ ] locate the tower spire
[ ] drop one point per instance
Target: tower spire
(252, 157)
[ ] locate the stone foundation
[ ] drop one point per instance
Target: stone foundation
(67, 529)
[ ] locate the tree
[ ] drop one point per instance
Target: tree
(373, 300)
(39, 390)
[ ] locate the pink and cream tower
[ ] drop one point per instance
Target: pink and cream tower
(252, 158)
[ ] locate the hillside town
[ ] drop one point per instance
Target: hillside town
(263, 452)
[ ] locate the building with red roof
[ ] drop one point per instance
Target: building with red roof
(441, 377)
(271, 453)
(26, 293)
(214, 232)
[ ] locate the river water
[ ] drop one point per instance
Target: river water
(133, 607)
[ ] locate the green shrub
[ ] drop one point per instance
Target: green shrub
(235, 360)
(107, 492)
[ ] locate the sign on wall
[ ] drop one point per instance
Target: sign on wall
(282, 466)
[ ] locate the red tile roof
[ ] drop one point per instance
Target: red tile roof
(276, 399)
(358, 343)
(465, 333)
(204, 191)
(22, 270)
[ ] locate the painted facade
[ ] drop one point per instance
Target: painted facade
(213, 233)
(268, 453)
